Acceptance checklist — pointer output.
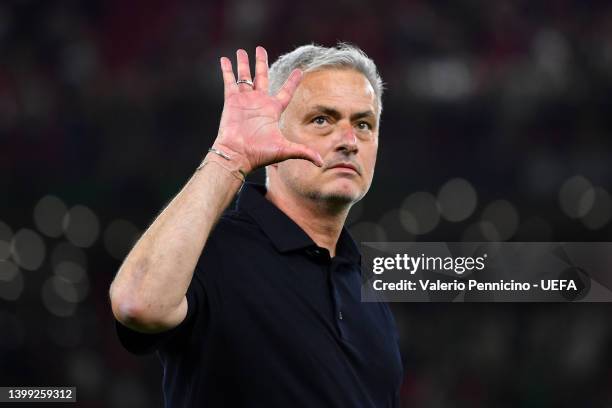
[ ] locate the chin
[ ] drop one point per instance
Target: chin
(342, 195)
(338, 199)
(338, 193)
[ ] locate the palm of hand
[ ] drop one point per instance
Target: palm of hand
(255, 116)
(249, 127)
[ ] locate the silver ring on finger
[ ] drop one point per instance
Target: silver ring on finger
(245, 81)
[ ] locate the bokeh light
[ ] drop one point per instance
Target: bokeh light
(500, 221)
(419, 213)
(11, 281)
(65, 289)
(366, 231)
(49, 214)
(535, 229)
(489, 231)
(8, 270)
(6, 236)
(480, 231)
(600, 211)
(391, 223)
(65, 251)
(28, 249)
(81, 226)
(576, 196)
(5, 250)
(74, 282)
(457, 199)
(56, 294)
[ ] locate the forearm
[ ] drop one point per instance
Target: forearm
(149, 289)
(148, 293)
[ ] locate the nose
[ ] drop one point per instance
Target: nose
(347, 140)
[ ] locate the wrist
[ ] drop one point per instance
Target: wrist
(231, 163)
(222, 168)
(230, 157)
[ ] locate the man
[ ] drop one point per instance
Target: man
(261, 306)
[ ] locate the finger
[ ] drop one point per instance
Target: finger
(286, 91)
(299, 151)
(244, 71)
(229, 81)
(261, 69)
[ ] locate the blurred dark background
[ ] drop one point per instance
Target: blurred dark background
(496, 126)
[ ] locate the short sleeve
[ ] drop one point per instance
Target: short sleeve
(145, 343)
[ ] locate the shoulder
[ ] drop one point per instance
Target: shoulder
(235, 235)
(235, 224)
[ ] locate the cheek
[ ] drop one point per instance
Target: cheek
(288, 128)
(370, 158)
(297, 168)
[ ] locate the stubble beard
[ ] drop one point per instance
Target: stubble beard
(333, 200)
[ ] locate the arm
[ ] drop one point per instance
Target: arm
(148, 292)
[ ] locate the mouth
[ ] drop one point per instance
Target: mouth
(348, 167)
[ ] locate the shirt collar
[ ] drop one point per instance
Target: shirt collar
(284, 233)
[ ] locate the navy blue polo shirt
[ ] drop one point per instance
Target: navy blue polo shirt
(273, 321)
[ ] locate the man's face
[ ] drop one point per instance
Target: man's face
(334, 112)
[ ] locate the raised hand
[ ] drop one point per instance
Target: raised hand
(249, 130)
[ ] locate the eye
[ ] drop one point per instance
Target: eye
(320, 120)
(364, 126)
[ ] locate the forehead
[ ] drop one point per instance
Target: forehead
(340, 88)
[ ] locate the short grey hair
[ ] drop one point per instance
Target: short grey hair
(314, 57)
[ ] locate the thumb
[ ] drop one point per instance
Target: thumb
(292, 150)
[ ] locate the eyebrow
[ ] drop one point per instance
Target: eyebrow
(336, 114)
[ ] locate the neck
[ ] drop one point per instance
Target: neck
(322, 221)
